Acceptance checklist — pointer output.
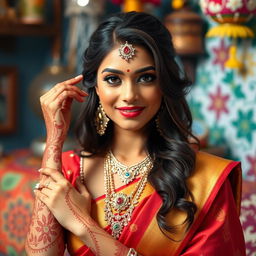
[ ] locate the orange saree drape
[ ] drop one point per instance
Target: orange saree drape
(216, 187)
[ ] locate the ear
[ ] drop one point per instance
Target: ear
(97, 90)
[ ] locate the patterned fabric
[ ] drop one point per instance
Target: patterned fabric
(224, 99)
(216, 220)
(18, 177)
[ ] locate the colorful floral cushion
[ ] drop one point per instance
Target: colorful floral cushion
(18, 176)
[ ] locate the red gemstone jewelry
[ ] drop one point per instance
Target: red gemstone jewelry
(119, 206)
(126, 51)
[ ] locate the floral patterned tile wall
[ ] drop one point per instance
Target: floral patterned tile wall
(225, 100)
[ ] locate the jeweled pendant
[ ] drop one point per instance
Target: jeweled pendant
(127, 177)
(120, 201)
(116, 228)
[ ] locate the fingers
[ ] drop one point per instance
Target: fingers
(54, 174)
(49, 184)
(69, 84)
(81, 187)
(41, 196)
(65, 89)
(61, 92)
(74, 80)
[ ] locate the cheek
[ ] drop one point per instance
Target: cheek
(154, 96)
(106, 95)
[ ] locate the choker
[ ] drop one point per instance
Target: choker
(128, 173)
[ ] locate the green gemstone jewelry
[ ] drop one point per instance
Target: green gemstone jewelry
(119, 206)
(128, 173)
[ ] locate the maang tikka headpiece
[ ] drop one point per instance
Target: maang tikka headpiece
(126, 51)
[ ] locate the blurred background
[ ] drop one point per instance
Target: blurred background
(42, 43)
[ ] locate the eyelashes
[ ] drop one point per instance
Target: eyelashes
(112, 79)
(146, 78)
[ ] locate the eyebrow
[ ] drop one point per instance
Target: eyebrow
(112, 70)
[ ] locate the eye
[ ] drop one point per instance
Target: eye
(113, 80)
(147, 78)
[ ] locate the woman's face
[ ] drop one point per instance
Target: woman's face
(129, 91)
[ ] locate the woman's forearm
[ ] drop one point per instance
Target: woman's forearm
(99, 241)
(45, 236)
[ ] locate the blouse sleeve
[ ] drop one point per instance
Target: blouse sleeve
(220, 232)
(70, 166)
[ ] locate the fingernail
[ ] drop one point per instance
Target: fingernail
(79, 76)
(40, 169)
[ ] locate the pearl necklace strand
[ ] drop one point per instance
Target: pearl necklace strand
(119, 206)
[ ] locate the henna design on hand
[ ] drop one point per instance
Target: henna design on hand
(54, 144)
(120, 249)
(44, 231)
(86, 222)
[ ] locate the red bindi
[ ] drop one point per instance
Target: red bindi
(128, 70)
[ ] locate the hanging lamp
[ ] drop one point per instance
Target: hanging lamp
(135, 5)
(186, 28)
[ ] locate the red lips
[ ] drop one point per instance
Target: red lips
(130, 111)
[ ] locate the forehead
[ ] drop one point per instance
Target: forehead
(141, 58)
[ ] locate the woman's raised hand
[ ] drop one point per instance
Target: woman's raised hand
(56, 108)
(70, 206)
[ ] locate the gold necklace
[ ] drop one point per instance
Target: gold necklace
(128, 173)
(119, 206)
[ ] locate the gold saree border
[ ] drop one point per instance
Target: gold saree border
(97, 213)
(209, 175)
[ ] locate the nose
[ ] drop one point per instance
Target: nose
(129, 92)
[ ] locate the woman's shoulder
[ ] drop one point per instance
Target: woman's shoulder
(211, 169)
(70, 157)
(208, 164)
(210, 174)
(71, 165)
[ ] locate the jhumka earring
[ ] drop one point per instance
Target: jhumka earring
(158, 125)
(126, 51)
(101, 120)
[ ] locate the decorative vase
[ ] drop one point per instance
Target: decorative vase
(186, 28)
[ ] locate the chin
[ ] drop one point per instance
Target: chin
(132, 128)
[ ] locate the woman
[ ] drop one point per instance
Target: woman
(138, 186)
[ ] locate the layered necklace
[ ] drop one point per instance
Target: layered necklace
(119, 206)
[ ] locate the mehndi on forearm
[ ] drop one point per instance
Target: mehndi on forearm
(98, 240)
(45, 236)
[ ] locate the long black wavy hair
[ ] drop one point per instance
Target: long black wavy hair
(174, 158)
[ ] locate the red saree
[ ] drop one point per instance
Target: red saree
(216, 186)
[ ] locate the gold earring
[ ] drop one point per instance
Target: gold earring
(101, 120)
(158, 125)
